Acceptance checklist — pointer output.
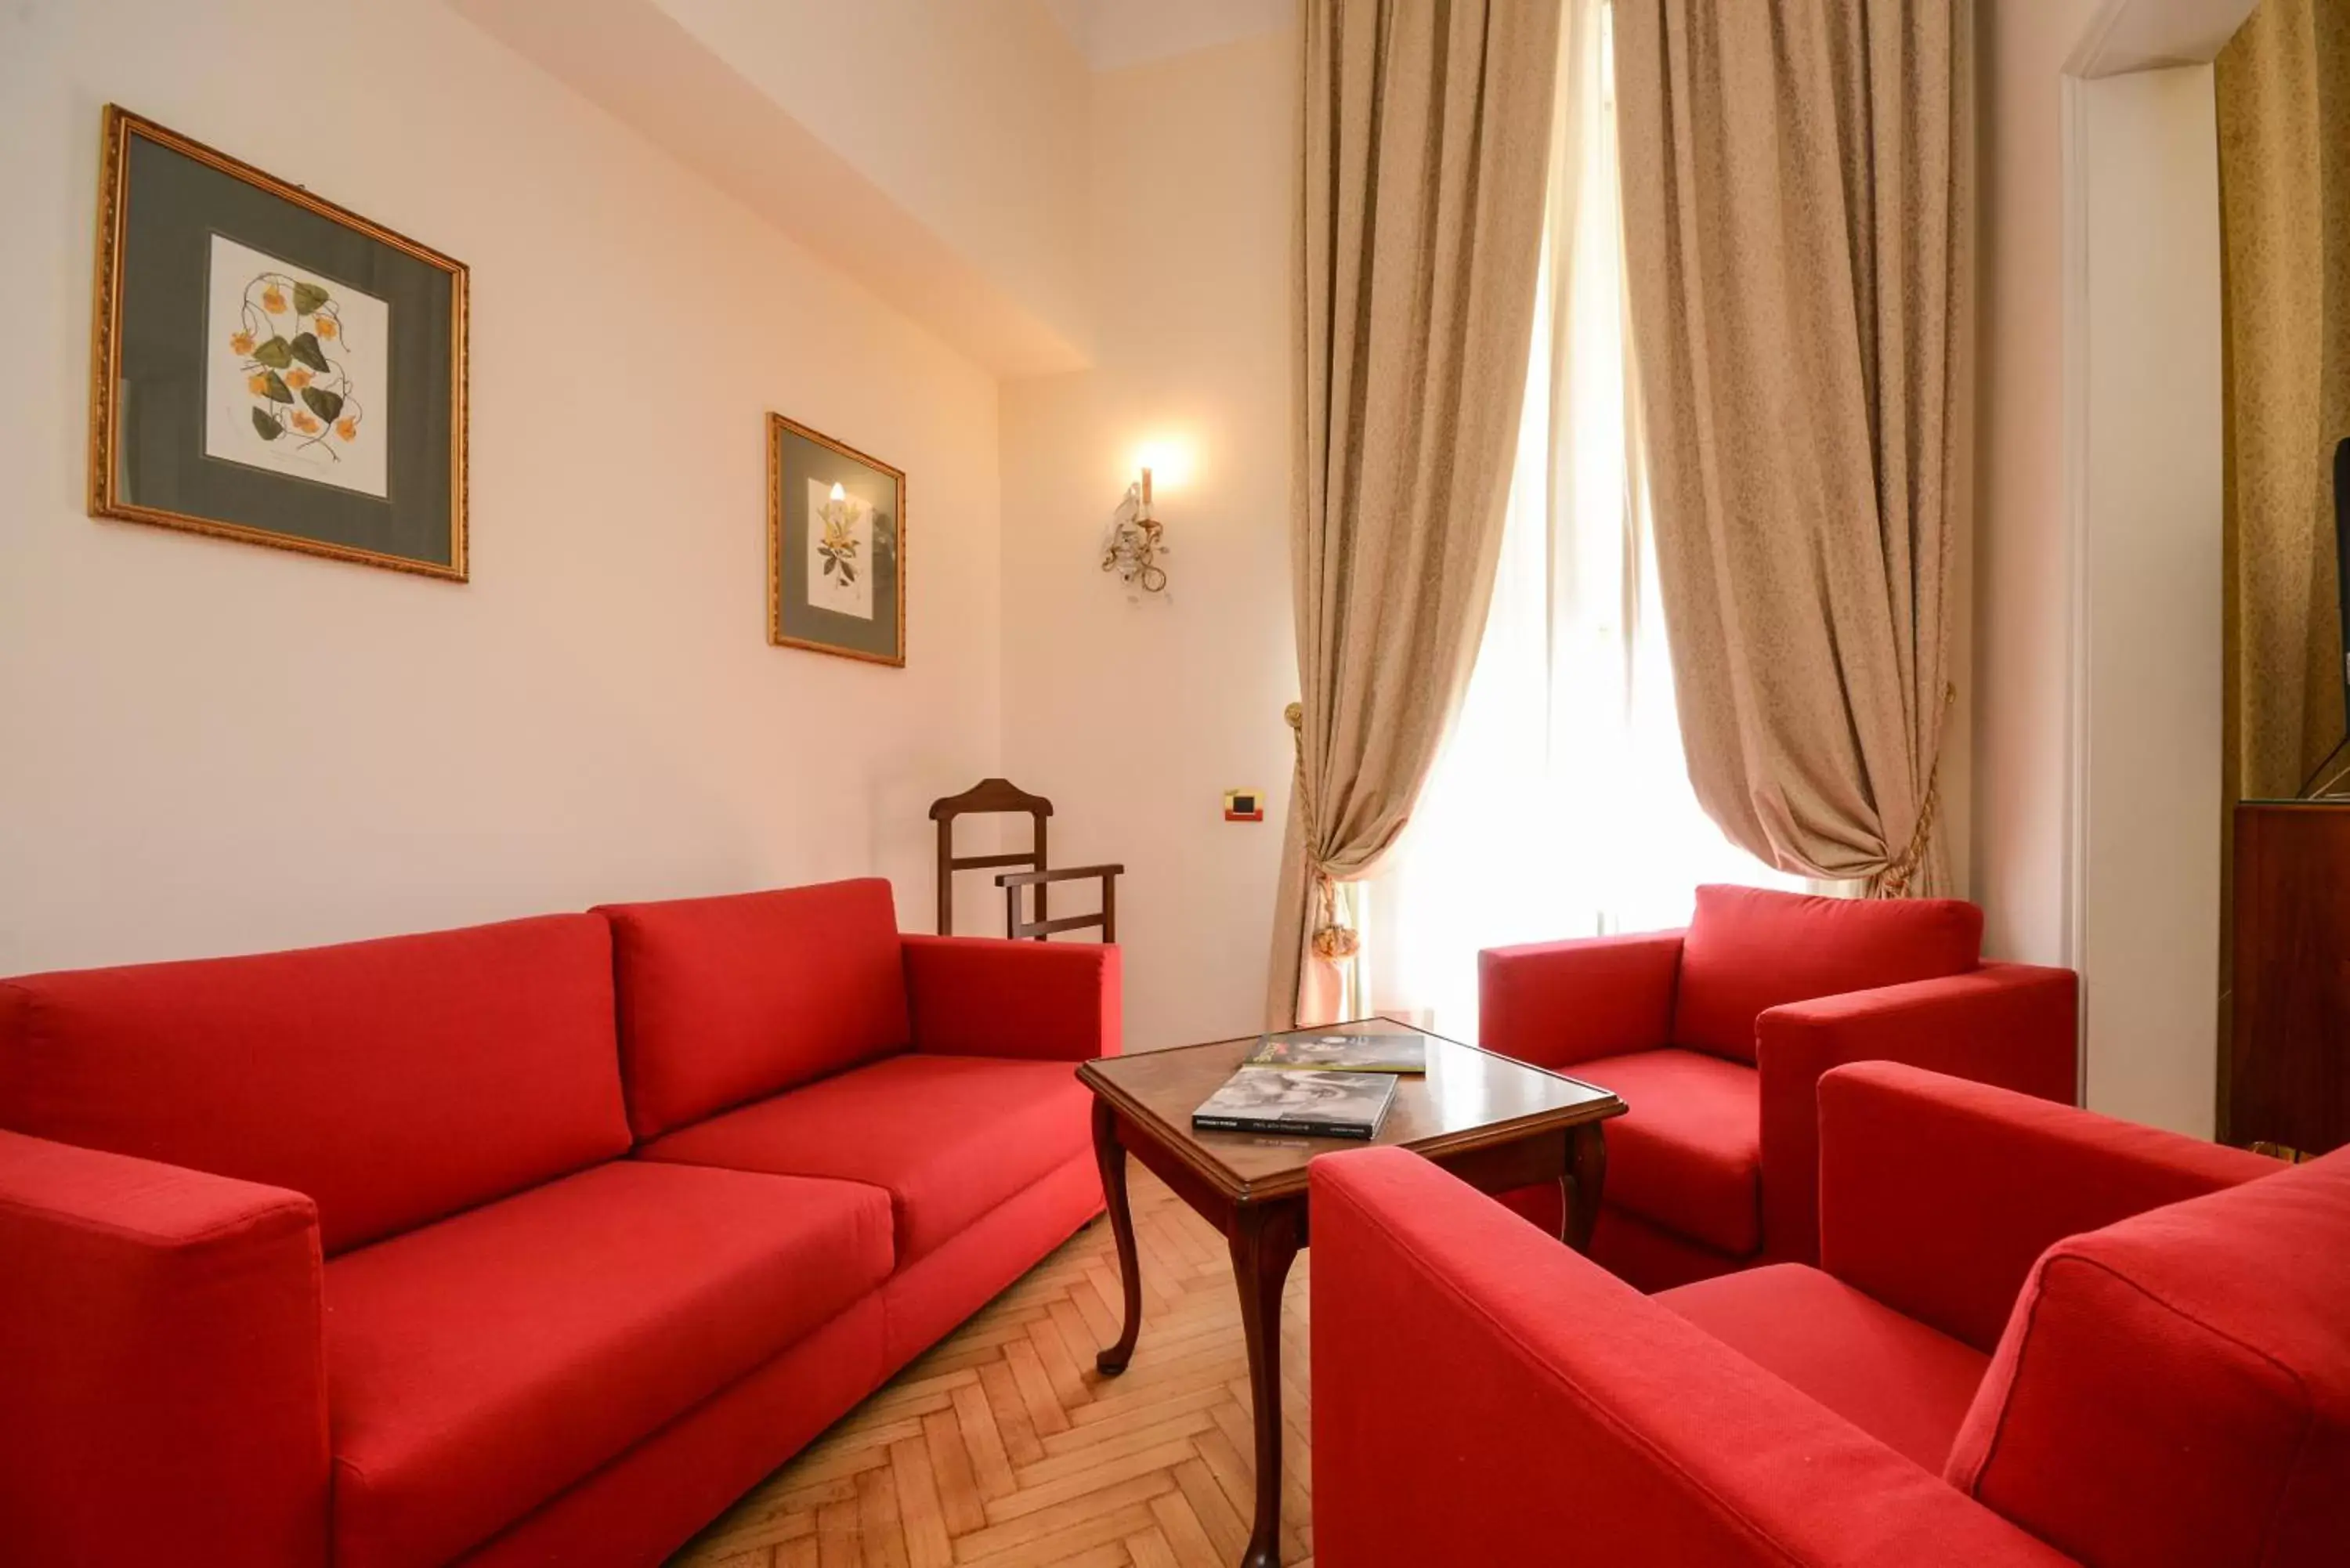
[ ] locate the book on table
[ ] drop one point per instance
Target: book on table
(1373, 1046)
(1287, 1100)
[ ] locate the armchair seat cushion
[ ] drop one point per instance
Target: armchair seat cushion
(1899, 1381)
(480, 1365)
(1688, 1154)
(947, 1137)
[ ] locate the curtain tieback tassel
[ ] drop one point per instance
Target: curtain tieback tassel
(1333, 941)
(1893, 882)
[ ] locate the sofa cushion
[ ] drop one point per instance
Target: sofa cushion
(723, 1001)
(1751, 948)
(1902, 1382)
(480, 1365)
(1688, 1155)
(947, 1137)
(392, 1081)
(2174, 1389)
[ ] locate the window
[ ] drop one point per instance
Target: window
(1560, 805)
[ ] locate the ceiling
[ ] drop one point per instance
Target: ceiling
(1113, 34)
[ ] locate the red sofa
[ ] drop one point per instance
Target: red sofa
(536, 1242)
(2039, 1338)
(1716, 1036)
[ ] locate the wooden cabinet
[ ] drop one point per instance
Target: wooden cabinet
(2288, 1060)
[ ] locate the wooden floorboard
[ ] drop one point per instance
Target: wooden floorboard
(1002, 1447)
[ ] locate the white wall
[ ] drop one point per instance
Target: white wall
(2146, 273)
(1135, 718)
(969, 113)
(1115, 34)
(208, 747)
(2023, 575)
(934, 149)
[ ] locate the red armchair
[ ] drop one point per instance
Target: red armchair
(1970, 1380)
(1716, 1038)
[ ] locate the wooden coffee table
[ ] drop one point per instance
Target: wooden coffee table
(1493, 1122)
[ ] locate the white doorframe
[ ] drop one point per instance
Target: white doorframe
(2143, 708)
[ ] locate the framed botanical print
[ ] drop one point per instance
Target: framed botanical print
(835, 547)
(270, 367)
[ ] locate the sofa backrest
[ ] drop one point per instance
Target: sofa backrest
(728, 999)
(394, 1080)
(2175, 1388)
(1751, 948)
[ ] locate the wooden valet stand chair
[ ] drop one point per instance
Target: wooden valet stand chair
(992, 797)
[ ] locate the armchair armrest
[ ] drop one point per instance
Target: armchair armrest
(1484, 1395)
(986, 996)
(2004, 1024)
(1556, 1003)
(1937, 1195)
(162, 1364)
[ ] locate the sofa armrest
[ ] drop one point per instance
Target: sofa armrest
(984, 996)
(1937, 1195)
(1484, 1395)
(162, 1364)
(2005, 1023)
(1556, 1003)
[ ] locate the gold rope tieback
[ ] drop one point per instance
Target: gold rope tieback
(1333, 941)
(1893, 882)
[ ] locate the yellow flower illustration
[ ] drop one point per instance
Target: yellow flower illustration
(297, 380)
(305, 424)
(240, 342)
(273, 300)
(838, 546)
(257, 385)
(326, 326)
(347, 428)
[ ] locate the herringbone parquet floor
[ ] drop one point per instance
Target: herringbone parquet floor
(1002, 1447)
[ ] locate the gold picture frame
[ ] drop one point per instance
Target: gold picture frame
(423, 495)
(837, 607)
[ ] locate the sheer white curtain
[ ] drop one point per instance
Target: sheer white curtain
(1560, 805)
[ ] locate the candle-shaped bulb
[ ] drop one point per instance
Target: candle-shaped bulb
(1145, 492)
(838, 495)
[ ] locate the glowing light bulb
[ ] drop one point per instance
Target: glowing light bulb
(1169, 460)
(838, 495)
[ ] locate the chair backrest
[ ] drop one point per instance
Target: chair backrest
(727, 999)
(2175, 1388)
(1751, 948)
(988, 797)
(393, 1081)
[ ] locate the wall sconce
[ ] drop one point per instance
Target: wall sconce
(1136, 543)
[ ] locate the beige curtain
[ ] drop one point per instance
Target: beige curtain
(1426, 127)
(1799, 230)
(2284, 89)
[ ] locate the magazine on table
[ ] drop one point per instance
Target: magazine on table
(1376, 1047)
(1279, 1099)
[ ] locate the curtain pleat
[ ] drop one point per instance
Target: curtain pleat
(1425, 135)
(1799, 229)
(2283, 85)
